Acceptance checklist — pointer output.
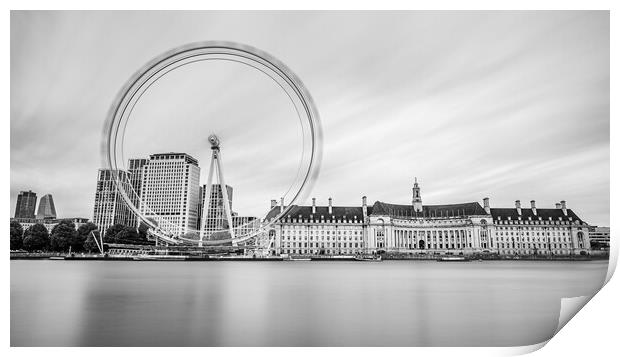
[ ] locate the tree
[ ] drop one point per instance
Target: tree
(128, 235)
(36, 237)
(63, 236)
(111, 232)
(83, 233)
(90, 245)
(17, 235)
(220, 235)
(143, 230)
(191, 236)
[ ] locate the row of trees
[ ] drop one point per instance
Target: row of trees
(65, 236)
(122, 234)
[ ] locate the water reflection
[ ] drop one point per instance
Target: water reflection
(55, 303)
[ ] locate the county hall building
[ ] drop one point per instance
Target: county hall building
(459, 229)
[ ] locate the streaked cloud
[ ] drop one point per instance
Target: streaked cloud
(509, 105)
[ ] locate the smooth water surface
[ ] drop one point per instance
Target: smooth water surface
(390, 303)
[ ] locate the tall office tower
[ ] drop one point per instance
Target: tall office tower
(26, 203)
(110, 207)
(216, 215)
(201, 194)
(170, 192)
(136, 173)
(46, 210)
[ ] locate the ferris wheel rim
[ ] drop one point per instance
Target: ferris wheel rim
(233, 49)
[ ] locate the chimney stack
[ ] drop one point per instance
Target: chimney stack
(330, 205)
(273, 203)
(563, 206)
(281, 204)
(534, 207)
(313, 205)
(558, 206)
(487, 208)
(518, 206)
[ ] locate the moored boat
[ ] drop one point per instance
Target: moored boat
(299, 259)
(452, 258)
(160, 257)
(333, 258)
(366, 258)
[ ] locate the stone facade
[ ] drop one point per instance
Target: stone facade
(458, 229)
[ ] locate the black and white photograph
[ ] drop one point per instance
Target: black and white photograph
(289, 178)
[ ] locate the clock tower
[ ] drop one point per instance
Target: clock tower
(417, 199)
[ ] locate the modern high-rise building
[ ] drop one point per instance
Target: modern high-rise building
(169, 194)
(46, 210)
(26, 203)
(110, 207)
(136, 174)
(215, 216)
(136, 170)
(201, 194)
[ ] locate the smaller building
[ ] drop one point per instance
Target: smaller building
(244, 225)
(49, 223)
(600, 237)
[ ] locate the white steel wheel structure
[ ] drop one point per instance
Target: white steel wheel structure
(307, 115)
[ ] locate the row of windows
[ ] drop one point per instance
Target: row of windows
(528, 233)
(324, 233)
(534, 239)
(531, 252)
(531, 245)
(321, 245)
(540, 221)
(533, 229)
(317, 227)
(322, 238)
(319, 251)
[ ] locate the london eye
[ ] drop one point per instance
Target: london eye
(305, 171)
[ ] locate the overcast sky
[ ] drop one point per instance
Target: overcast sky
(506, 105)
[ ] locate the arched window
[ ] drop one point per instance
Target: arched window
(380, 233)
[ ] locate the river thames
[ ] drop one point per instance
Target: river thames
(390, 303)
